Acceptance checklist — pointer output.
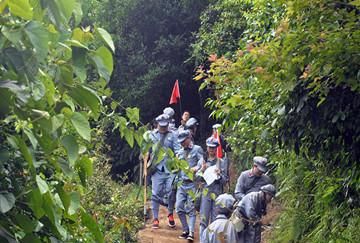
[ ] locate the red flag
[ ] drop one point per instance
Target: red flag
(219, 152)
(175, 93)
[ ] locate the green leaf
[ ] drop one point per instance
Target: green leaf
(74, 203)
(104, 62)
(78, 13)
(84, 167)
(107, 38)
(27, 224)
(79, 62)
(3, 4)
(12, 34)
(133, 115)
(129, 137)
(31, 238)
(56, 122)
(85, 96)
(71, 147)
(90, 223)
(42, 185)
(81, 125)
(35, 202)
(21, 8)
(31, 137)
(66, 8)
(7, 202)
(38, 37)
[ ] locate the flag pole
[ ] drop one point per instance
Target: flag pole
(180, 103)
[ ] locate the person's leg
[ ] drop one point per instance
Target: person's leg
(191, 207)
(204, 213)
(180, 207)
(171, 191)
(157, 192)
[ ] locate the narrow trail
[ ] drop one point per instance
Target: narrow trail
(165, 234)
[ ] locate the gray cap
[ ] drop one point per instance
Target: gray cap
(212, 142)
(169, 111)
(260, 162)
(184, 134)
(191, 122)
(163, 120)
(225, 201)
(269, 188)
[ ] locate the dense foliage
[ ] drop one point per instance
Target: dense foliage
(292, 93)
(49, 113)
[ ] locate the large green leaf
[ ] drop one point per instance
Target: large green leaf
(21, 8)
(104, 62)
(71, 147)
(79, 62)
(84, 166)
(7, 202)
(133, 115)
(42, 185)
(81, 125)
(66, 8)
(38, 37)
(57, 121)
(90, 223)
(107, 38)
(74, 203)
(27, 224)
(35, 202)
(85, 96)
(14, 35)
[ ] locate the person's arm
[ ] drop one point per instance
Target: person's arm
(239, 189)
(175, 145)
(200, 159)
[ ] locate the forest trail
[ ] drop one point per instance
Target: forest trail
(165, 234)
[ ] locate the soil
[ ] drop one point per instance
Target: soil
(165, 234)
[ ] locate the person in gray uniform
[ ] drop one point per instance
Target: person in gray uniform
(251, 180)
(170, 112)
(184, 118)
(251, 208)
(162, 178)
(193, 154)
(210, 192)
(192, 125)
(221, 230)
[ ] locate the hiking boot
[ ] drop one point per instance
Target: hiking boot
(190, 237)
(171, 221)
(155, 224)
(184, 235)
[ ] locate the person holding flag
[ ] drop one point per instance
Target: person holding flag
(210, 192)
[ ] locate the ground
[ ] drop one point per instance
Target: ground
(167, 235)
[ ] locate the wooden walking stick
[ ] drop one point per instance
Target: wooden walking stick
(146, 158)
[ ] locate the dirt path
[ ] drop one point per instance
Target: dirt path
(164, 234)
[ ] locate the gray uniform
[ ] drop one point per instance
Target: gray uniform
(162, 178)
(248, 182)
(207, 207)
(184, 202)
(219, 230)
(252, 207)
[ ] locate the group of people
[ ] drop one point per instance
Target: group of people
(223, 218)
